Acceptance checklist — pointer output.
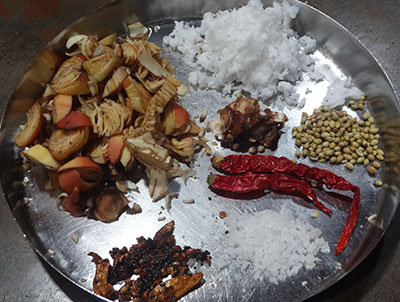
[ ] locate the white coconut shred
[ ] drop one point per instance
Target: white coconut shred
(250, 48)
(273, 245)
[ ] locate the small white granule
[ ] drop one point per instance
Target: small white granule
(274, 245)
(250, 48)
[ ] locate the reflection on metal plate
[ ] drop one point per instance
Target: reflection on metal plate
(64, 241)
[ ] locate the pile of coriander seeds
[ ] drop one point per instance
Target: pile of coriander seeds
(335, 137)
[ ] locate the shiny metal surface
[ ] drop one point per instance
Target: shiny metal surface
(49, 229)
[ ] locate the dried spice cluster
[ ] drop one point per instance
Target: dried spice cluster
(151, 260)
(242, 121)
(334, 136)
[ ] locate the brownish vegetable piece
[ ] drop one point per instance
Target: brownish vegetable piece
(110, 205)
(164, 234)
(70, 79)
(100, 283)
(32, 127)
(237, 117)
(242, 120)
(63, 143)
(175, 288)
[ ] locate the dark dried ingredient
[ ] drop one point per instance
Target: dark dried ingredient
(242, 121)
(151, 260)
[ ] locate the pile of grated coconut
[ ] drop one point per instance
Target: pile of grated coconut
(250, 49)
(273, 245)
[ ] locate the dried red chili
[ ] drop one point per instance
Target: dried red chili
(250, 182)
(239, 164)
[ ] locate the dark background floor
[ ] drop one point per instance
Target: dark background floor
(26, 26)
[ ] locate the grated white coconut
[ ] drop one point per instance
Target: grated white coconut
(273, 245)
(339, 91)
(254, 49)
(250, 48)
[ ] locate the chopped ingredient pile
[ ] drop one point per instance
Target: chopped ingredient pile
(110, 108)
(151, 260)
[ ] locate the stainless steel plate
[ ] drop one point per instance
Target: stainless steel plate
(49, 229)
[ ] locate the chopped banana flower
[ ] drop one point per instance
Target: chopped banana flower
(108, 40)
(99, 50)
(87, 44)
(138, 31)
(87, 105)
(149, 153)
(175, 170)
(182, 90)
(139, 122)
(70, 79)
(98, 150)
(114, 84)
(132, 132)
(165, 64)
(158, 183)
(151, 117)
(101, 66)
(110, 118)
(146, 59)
(184, 147)
(48, 94)
(154, 49)
(138, 96)
(128, 51)
(63, 143)
(152, 85)
(183, 130)
(167, 92)
(74, 40)
(142, 72)
(127, 158)
(92, 83)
